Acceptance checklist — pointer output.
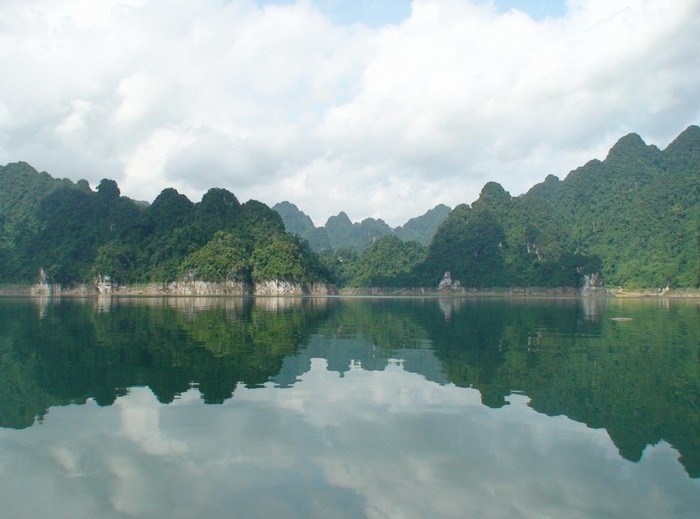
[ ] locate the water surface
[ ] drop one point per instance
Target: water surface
(243, 407)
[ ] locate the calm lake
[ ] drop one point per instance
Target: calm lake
(330, 408)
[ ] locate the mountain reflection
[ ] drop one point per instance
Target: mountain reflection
(637, 378)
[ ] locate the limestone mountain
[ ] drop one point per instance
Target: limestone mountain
(340, 232)
(422, 228)
(634, 217)
(299, 223)
(75, 234)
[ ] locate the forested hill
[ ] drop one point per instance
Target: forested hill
(75, 234)
(632, 219)
(340, 232)
(634, 216)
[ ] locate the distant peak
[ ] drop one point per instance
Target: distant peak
(630, 143)
(285, 205)
(688, 139)
(492, 194)
(21, 166)
(340, 218)
(691, 131)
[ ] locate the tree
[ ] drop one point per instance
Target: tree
(217, 210)
(257, 224)
(224, 258)
(108, 191)
(169, 210)
(118, 261)
(67, 242)
(286, 258)
(470, 245)
(388, 262)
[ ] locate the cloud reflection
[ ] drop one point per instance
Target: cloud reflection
(140, 416)
(373, 444)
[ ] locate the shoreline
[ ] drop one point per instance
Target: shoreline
(164, 290)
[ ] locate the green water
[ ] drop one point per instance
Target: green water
(304, 408)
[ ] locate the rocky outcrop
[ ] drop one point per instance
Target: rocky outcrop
(43, 287)
(593, 285)
(103, 284)
(207, 288)
(276, 287)
(449, 284)
(272, 287)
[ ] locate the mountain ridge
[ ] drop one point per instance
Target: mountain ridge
(636, 215)
(632, 219)
(339, 232)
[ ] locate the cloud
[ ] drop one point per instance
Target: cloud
(378, 116)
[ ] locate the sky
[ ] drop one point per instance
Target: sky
(380, 109)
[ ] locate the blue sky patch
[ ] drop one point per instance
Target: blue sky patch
(375, 13)
(537, 9)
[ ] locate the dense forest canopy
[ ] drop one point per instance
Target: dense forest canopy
(75, 234)
(633, 218)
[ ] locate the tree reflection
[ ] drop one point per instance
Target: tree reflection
(636, 378)
(70, 353)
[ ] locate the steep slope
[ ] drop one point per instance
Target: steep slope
(634, 217)
(76, 235)
(422, 228)
(22, 188)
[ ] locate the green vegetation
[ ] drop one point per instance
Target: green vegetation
(632, 219)
(224, 258)
(387, 262)
(286, 259)
(75, 235)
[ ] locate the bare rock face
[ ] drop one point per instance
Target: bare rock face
(207, 288)
(43, 287)
(593, 285)
(103, 284)
(447, 283)
(276, 287)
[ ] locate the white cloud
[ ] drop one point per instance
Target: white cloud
(281, 101)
